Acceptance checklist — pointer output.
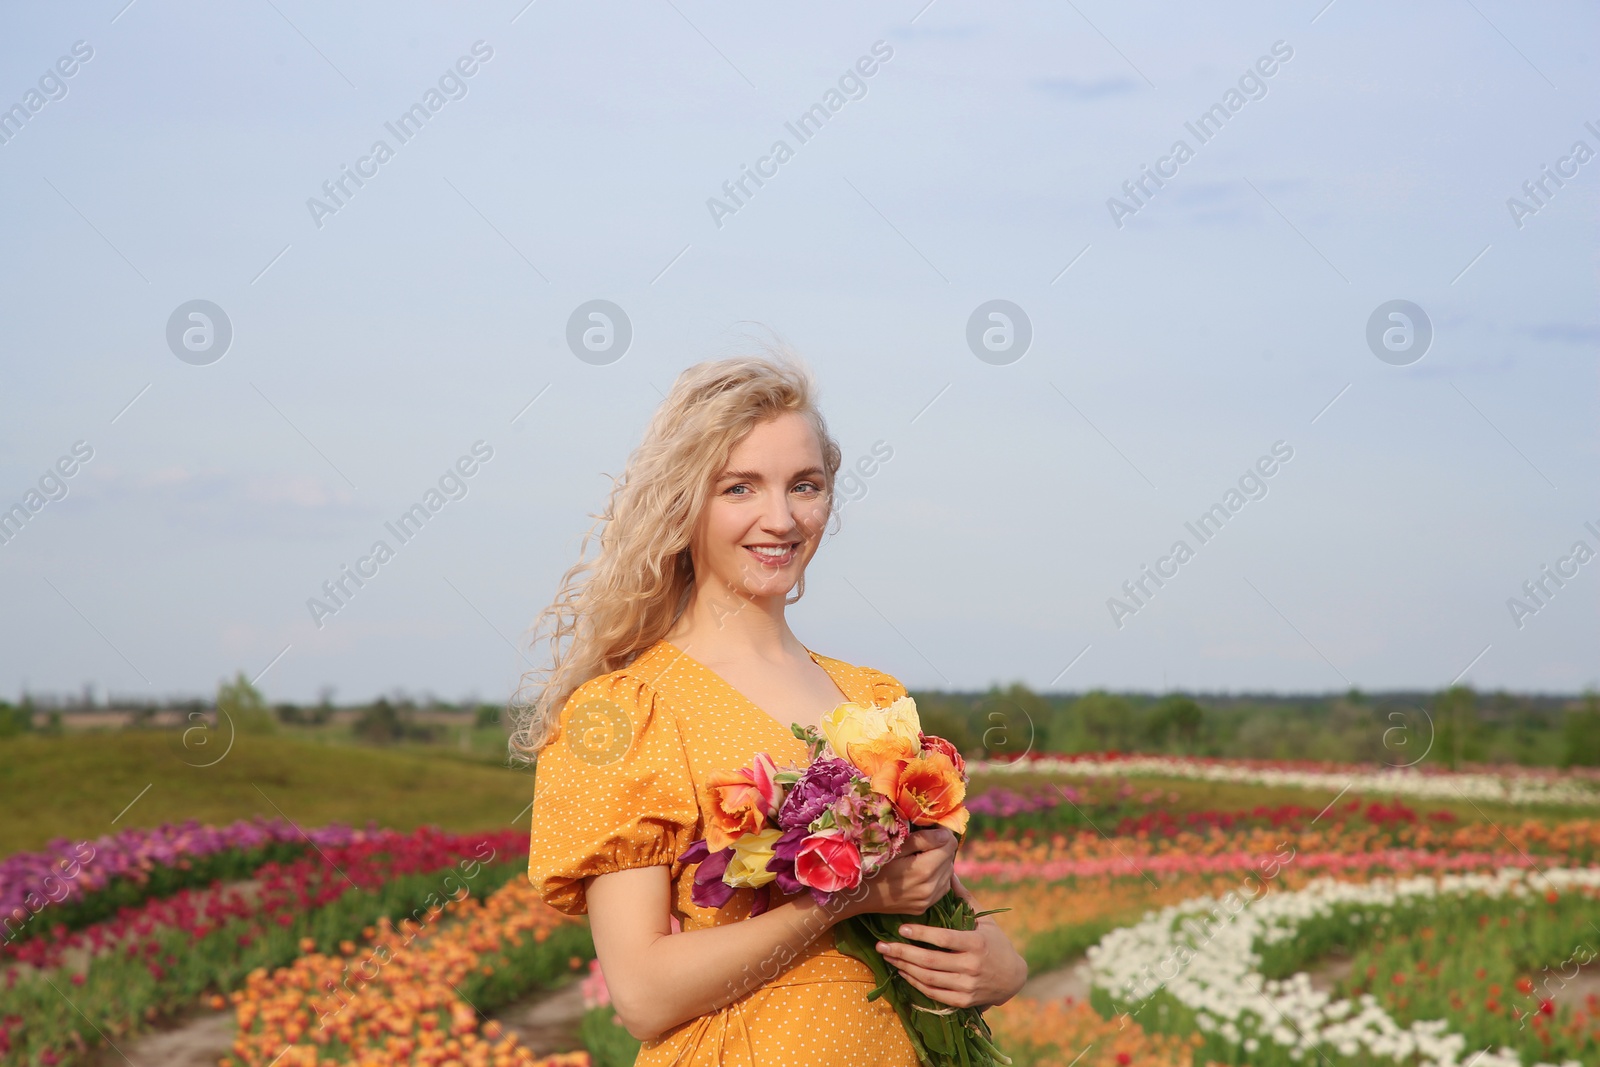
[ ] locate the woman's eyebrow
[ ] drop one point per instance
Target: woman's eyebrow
(756, 476)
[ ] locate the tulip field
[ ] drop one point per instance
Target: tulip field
(1349, 916)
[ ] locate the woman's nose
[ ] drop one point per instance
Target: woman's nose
(779, 515)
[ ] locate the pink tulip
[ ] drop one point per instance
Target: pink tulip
(828, 862)
(762, 770)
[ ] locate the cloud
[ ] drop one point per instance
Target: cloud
(1074, 89)
(216, 499)
(1572, 333)
(1218, 217)
(1208, 193)
(947, 33)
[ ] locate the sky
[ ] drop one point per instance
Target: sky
(1084, 273)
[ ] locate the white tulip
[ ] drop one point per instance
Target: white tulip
(1214, 969)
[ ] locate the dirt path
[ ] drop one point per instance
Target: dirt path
(199, 1040)
(546, 1023)
(1071, 979)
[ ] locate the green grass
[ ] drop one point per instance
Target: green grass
(1059, 945)
(75, 785)
(484, 744)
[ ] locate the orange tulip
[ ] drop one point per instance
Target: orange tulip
(872, 757)
(733, 808)
(927, 789)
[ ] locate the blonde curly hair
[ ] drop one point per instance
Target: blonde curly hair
(611, 608)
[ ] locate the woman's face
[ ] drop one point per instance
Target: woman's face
(767, 509)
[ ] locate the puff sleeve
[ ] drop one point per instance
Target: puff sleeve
(612, 791)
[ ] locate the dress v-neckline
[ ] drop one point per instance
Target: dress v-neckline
(739, 696)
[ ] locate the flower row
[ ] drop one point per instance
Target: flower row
(1406, 860)
(1501, 786)
(80, 882)
(411, 993)
(1000, 811)
(277, 889)
(1572, 842)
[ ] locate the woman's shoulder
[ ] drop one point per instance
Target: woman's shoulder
(621, 721)
(629, 690)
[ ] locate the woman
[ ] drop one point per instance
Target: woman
(680, 662)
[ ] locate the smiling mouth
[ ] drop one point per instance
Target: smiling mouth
(774, 555)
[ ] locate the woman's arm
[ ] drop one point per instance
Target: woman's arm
(659, 979)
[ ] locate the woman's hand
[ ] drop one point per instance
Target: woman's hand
(913, 881)
(981, 968)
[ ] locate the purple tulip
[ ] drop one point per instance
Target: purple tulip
(784, 850)
(709, 891)
(824, 782)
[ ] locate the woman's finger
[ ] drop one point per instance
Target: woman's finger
(918, 984)
(959, 940)
(933, 984)
(927, 863)
(928, 959)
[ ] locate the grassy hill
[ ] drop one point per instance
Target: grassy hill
(75, 785)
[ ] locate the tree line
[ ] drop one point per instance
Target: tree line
(1447, 728)
(1444, 728)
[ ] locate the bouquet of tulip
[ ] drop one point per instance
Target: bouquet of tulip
(873, 777)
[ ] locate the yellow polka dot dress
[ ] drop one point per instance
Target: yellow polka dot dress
(620, 787)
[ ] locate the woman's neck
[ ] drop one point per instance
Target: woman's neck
(730, 626)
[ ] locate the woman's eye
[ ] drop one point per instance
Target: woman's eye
(741, 488)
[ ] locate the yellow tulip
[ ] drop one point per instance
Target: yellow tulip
(903, 721)
(748, 867)
(857, 724)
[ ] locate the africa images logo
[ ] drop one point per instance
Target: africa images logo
(1252, 85)
(451, 86)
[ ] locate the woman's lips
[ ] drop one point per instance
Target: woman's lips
(774, 562)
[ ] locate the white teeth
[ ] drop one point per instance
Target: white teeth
(774, 552)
